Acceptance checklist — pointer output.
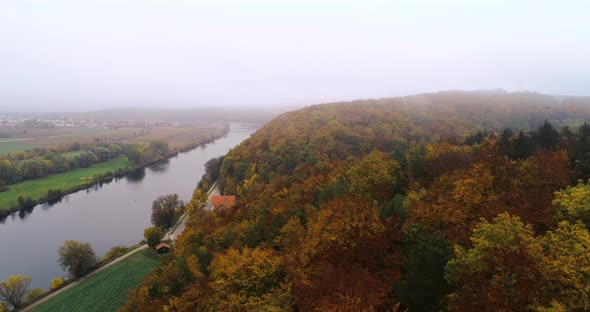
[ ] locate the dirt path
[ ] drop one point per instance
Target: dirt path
(16, 140)
(32, 306)
(28, 139)
(177, 230)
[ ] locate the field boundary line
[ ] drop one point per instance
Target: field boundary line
(17, 140)
(142, 247)
(34, 305)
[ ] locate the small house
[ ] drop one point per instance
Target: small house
(219, 201)
(163, 248)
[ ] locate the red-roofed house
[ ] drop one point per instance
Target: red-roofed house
(219, 201)
(163, 248)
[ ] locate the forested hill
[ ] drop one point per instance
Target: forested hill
(457, 200)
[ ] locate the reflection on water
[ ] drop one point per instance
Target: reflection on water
(23, 213)
(104, 215)
(53, 201)
(161, 165)
(46, 206)
(136, 176)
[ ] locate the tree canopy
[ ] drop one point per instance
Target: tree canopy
(153, 236)
(165, 210)
(449, 201)
(76, 258)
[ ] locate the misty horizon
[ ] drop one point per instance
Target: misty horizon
(71, 56)
(221, 108)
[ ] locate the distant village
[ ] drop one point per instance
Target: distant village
(64, 122)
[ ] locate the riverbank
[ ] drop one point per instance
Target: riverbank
(107, 287)
(115, 213)
(66, 183)
(80, 179)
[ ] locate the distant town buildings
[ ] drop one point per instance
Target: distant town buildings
(64, 122)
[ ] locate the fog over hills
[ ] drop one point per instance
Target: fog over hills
(76, 56)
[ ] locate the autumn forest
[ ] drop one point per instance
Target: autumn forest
(452, 201)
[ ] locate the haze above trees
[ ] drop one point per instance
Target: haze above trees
(431, 201)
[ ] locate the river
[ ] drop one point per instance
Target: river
(115, 213)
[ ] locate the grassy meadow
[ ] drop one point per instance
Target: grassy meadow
(9, 145)
(38, 188)
(106, 290)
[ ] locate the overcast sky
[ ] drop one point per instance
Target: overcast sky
(64, 55)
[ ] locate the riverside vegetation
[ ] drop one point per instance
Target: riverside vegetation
(108, 286)
(48, 173)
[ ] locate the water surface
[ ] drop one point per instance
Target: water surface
(104, 216)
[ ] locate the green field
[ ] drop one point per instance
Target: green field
(106, 290)
(9, 147)
(65, 181)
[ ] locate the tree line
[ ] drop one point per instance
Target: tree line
(40, 162)
(393, 204)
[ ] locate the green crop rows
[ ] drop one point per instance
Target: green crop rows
(106, 290)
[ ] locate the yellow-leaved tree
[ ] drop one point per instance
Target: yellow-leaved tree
(573, 203)
(14, 289)
(56, 282)
(247, 278)
(508, 268)
(566, 266)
